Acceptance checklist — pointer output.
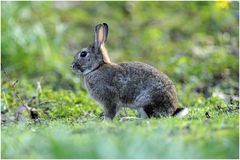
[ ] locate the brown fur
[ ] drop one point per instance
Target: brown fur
(104, 53)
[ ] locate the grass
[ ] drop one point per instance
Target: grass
(163, 138)
(195, 43)
(210, 130)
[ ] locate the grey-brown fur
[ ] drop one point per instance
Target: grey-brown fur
(135, 85)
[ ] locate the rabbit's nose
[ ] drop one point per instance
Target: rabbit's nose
(76, 66)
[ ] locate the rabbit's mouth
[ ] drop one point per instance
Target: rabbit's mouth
(77, 68)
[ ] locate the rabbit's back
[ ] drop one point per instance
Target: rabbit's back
(134, 85)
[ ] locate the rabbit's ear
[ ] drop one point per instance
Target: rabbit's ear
(105, 28)
(101, 33)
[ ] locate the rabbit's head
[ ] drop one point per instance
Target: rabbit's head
(91, 57)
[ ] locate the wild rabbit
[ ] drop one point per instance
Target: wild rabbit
(134, 84)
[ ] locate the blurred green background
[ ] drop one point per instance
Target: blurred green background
(195, 43)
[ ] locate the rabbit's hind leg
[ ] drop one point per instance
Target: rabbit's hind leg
(151, 111)
(157, 112)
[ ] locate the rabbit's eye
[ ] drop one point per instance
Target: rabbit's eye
(83, 54)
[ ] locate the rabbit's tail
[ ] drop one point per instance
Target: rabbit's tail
(180, 112)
